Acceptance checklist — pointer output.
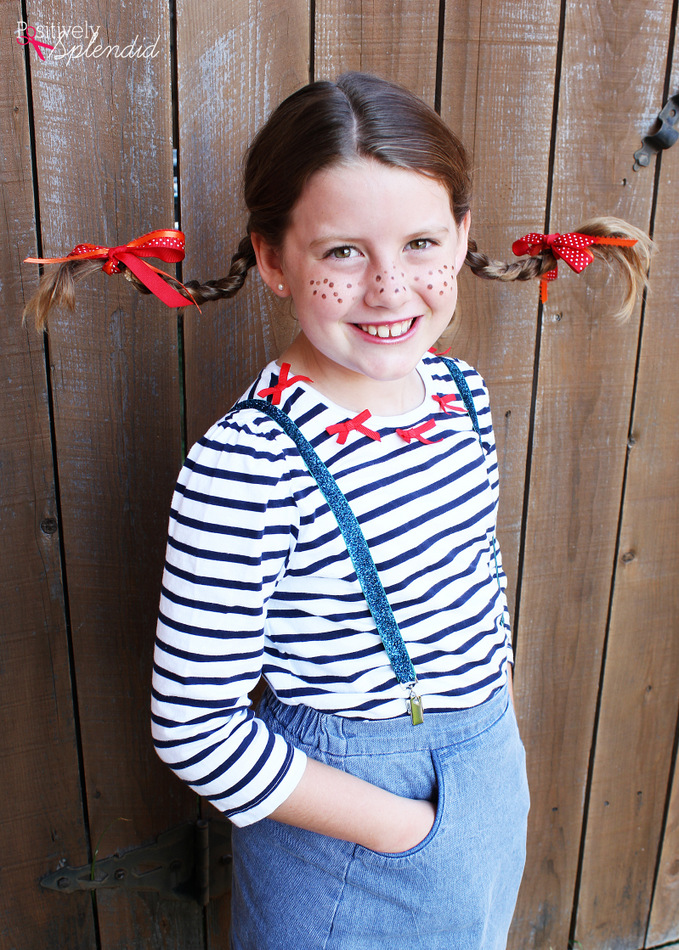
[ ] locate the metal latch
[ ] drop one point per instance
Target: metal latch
(665, 136)
(188, 863)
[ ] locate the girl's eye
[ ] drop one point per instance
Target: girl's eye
(420, 244)
(341, 253)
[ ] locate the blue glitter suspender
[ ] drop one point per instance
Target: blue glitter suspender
(357, 546)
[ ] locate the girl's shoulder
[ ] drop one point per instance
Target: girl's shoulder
(441, 371)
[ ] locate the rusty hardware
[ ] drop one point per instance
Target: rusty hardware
(188, 863)
(664, 137)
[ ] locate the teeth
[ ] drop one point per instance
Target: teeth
(385, 330)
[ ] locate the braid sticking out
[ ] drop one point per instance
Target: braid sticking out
(619, 244)
(323, 125)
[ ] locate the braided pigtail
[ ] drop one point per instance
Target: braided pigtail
(225, 287)
(616, 242)
(57, 284)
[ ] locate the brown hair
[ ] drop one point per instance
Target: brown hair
(326, 123)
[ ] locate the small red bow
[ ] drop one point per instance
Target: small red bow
(283, 382)
(165, 245)
(418, 432)
(571, 248)
(446, 400)
(342, 429)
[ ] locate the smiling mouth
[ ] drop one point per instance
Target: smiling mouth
(387, 330)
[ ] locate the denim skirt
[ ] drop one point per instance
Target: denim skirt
(455, 890)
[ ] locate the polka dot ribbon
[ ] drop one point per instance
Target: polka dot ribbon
(571, 248)
(164, 245)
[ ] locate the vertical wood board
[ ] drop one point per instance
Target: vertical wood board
(584, 394)
(504, 120)
(103, 131)
(393, 40)
(236, 62)
(41, 816)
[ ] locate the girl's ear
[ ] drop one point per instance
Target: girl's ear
(463, 234)
(269, 266)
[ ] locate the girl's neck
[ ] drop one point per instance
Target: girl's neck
(352, 390)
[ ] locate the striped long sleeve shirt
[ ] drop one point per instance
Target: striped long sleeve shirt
(258, 579)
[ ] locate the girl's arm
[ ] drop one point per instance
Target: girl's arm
(343, 806)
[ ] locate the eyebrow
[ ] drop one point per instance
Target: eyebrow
(341, 241)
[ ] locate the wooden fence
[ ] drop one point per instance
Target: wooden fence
(553, 99)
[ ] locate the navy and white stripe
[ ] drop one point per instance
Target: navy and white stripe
(258, 580)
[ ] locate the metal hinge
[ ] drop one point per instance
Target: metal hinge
(188, 863)
(665, 136)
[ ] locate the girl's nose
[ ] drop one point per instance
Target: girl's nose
(386, 287)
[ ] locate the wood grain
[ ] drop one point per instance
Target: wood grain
(585, 384)
(384, 38)
(103, 140)
(41, 814)
(640, 696)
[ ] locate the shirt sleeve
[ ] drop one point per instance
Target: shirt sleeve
(232, 524)
(481, 398)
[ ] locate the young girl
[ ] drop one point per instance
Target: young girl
(378, 795)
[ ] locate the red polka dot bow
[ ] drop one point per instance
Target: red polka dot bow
(165, 245)
(570, 248)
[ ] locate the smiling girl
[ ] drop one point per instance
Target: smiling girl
(334, 533)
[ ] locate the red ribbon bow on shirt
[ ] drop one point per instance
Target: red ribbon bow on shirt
(342, 429)
(165, 245)
(571, 248)
(417, 432)
(283, 382)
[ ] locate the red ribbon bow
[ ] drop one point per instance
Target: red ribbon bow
(571, 248)
(165, 245)
(342, 429)
(417, 432)
(445, 401)
(283, 382)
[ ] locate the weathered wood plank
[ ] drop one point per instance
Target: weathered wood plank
(236, 62)
(397, 41)
(612, 68)
(495, 327)
(103, 130)
(41, 813)
(640, 698)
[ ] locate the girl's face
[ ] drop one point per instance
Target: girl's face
(370, 260)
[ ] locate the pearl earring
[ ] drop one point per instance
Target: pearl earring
(281, 287)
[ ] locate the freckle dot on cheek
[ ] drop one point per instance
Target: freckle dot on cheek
(325, 281)
(340, 300)
(311, 283)
(323, 296)
(349, 286)
(429, 286)
(315, 292)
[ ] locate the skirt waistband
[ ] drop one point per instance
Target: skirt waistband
(341, 736)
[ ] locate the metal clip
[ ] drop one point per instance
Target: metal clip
(665, 136)
(415, 706)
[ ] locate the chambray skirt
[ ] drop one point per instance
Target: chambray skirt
(456, 890)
